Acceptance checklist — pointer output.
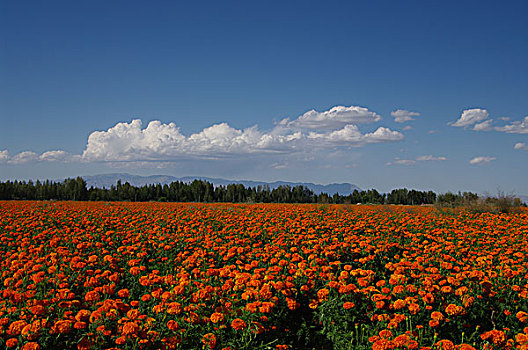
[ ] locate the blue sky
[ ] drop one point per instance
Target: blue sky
(275, 90)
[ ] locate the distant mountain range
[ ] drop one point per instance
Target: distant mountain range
(107, 180)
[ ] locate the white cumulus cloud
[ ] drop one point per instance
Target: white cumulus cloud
(383, 134)
(517, 127)
(32, 157)
(520, 146)
(132, 142)
(424, 158)
(402, 162)
(164, 142)
(471, 116)
(351, 136)
(56, 156)
(484, 126)
(334, 118)
(428, 158)
(348, 134)
(158, 141)
(24, 157)
(402, 115)
(128, 141)
(4, 156)
(481, 160)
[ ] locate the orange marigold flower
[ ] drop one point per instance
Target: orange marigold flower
(193, 318)
(348, 305)
(31, 346)
(79, 325)
(414, 308)
(165, 296)
(292, 303)
(343, 275)
(130, 328)
(522, 316)
(461, 291)
(434, 323)
(133, 314)
(179, 289)
(385, 334)
(94, 316)
(467, 300)
(398, 289)
(465, 347)
(313, 304)
(454, 310)
(238, 324)
(445, 344)
(378, 297)
(82, 315)
(447, 289)
(437, 315)
(12, 342)
(16, 327)
(174, 308)
(157, 293)
(495, 336)
(30, 332)
(402, 340)
(373, 339)
(62, 327)
(114, 277)
(362, 282)
(172, 325)
(209, 340)
(428, 298)
(123, 293)
(37, 310)
(383, 344)
(92, 296)
(217, 317)
(322, 294)
(333, 284)
(397, 279)
(412, 344)
(399, 304)
(522, 339)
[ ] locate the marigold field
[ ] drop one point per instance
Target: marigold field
(85, 275)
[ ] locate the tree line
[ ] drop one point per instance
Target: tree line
(204, 191)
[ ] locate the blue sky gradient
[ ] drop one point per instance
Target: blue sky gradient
(68, 69)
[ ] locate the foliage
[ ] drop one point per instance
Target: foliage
(502, 203)
(200, 191)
